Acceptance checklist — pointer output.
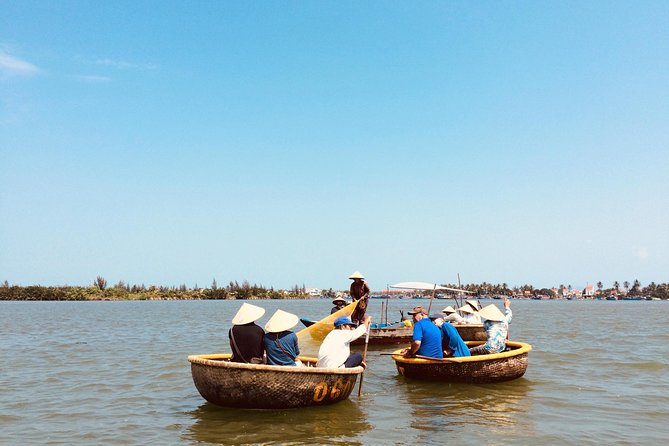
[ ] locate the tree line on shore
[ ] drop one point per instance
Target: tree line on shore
(99, 290)
(124, 291)
(660, 291)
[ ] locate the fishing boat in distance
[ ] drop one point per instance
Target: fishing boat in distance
(479, 369)
(394, 334)
(259, 386)
(399, 333)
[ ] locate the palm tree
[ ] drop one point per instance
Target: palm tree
(636, 287)
(600, 285)
(626, 284)
(616, 287)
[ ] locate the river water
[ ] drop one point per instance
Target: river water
(81, 373)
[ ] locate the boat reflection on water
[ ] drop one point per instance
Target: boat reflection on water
(467, 409)
(340, 423)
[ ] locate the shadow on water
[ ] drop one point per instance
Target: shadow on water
(312, 425)
(452, 408)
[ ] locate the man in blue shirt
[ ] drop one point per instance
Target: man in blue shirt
(426, 336)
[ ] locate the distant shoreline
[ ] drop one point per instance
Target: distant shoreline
(245, 291)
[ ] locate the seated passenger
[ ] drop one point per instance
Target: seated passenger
(338, 303)
(335, 351)
(451, 340)
(496, 326)
(426, 336)
(469, 315)
(246, 338)
(450, 315)
(281, 343)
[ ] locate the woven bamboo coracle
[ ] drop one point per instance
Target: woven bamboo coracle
(480, 369)
(258, 386)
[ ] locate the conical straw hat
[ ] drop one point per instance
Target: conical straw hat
(467, 309)
(448, 309)
(491, 313)
(247, 313)
(356, 275)
(474, 303)
(281, 321)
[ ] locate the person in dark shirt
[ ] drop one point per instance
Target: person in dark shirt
(359, 291)
(246, 338)
(338, 303)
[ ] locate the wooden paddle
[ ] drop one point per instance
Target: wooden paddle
(364, 358)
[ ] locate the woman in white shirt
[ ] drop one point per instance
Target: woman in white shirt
(335, 351)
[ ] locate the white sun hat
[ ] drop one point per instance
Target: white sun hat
(281, 321)
(474, 303)
(356, 275)
(247, 313)
(491, 313)
(467, 309)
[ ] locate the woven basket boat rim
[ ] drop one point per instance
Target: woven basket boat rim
(521, 348)
(214, 360)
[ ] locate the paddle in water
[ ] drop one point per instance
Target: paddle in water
(364, 359)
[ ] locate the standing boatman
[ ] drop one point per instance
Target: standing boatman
(359, 291)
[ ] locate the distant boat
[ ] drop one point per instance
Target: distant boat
(398, 333)
(634, 298)
(611, 298)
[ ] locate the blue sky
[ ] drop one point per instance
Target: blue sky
(292, 143)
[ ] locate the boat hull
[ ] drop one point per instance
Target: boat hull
(259, 386)
(480, 369)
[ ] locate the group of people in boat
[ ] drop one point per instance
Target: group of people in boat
(278, 345)
(435, 337)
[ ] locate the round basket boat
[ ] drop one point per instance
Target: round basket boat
(479, 369)
(259, 386)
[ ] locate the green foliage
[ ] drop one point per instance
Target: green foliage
(124, 291)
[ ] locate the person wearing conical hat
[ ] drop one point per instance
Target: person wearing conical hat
(359, 291)
(475, 304)
(452, 316)
(281, 343)
(338, 303)
(246, 337)
(496, 325)
(469, 315)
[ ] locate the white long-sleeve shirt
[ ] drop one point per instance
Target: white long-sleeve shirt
(336, 347)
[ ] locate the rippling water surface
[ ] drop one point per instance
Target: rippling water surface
(80, 373)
